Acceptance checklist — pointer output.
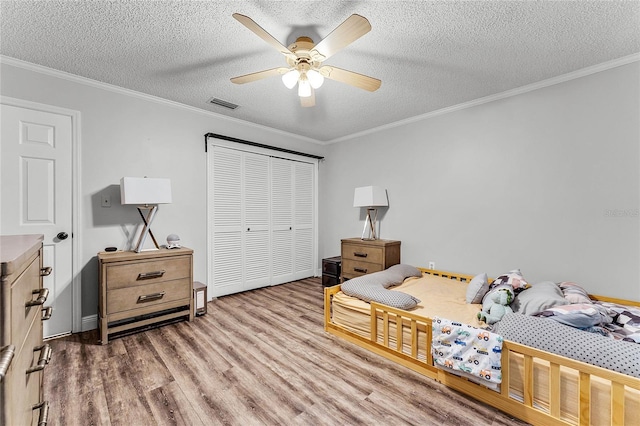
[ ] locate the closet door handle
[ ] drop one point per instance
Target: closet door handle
(151, 275)
(46, 312)
(363, 270)
(5, 360)
(43, 418)
(42, 293)
(360, 254)
(45, 357)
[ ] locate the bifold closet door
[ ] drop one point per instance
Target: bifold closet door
(262, 220)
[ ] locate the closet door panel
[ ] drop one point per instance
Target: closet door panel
(282, 258)
(225, 190)
(256, 221)
(304, 219)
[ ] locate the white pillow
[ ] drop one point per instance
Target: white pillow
(477, 288)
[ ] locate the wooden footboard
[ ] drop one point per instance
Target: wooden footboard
(537, 386)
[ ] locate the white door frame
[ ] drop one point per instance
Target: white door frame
(76, 320)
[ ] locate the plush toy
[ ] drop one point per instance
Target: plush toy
(494, 312)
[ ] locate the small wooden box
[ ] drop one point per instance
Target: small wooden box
(199, 298)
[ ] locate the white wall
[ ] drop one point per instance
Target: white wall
(546, 181)
(124, 135)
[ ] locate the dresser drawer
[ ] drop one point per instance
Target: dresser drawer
(362, 253)
(147, 272)
(141, 296)
(22, 292)
(355, 268)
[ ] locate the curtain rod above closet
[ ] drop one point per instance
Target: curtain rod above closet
(260, 145)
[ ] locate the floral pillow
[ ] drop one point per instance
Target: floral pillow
(574, 293)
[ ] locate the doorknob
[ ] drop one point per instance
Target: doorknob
(62, 235)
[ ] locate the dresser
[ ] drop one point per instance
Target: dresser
(23, 356)
(138, 290)
(360, 257)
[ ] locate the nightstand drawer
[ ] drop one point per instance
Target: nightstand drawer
(362, 253)
(128, 298)
(355, 268)
(146, 272)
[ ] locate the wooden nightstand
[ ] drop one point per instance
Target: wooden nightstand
(140, 289)
(361, 257)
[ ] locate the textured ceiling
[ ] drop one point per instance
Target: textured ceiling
(429, 54)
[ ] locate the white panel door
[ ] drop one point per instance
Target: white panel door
(255, 228)
(282, 250)
(225, 195)
(304, 218)
(37, 197)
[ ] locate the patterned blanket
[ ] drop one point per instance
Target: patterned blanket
(468, 351)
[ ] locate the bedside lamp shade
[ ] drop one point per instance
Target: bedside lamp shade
(141, 191)
(370, 197)
(146, 193)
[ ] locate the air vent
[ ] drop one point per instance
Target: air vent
(222, 103)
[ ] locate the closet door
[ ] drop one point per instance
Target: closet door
(256, 227)
(226, 258)
(304, 219)
(282, 253)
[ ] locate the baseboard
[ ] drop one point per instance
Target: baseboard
(89, 322)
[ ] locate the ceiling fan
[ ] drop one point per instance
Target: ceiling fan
(304, 59)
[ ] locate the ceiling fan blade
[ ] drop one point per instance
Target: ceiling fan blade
(248, 78)
(354, 27)
(260, 32)
(309, 101)
(353, 78)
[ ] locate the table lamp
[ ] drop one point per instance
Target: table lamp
(147, 193)
(370, 197)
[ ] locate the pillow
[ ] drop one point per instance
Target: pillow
(477, 288)
(579, 315)
(401, 271)
(538, 297)
(574, 293)
(514, 278)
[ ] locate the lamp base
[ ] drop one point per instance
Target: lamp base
(372, 218)
(146, 230)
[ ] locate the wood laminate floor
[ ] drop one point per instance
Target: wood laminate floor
(257, 358)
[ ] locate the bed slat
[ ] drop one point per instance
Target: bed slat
(584, 384)
(617, 404)
(528, 380)
(554, 390)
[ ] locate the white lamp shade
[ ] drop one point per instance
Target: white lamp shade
(370, 196)
(290, 78)
(140, 191)
(304, 88)
(315, 78)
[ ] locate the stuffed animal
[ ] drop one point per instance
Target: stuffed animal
(494, 312)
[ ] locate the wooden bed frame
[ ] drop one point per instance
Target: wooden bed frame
(524, 409)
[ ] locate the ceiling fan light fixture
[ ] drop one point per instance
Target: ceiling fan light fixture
(304, 88)
(315, 78)
(290, 78)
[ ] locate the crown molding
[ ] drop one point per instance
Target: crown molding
(128, 92)
(507, 94)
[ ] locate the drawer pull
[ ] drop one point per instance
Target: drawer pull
(46, 312)
(46, 271)
(151, 275)
(42, 293)
(45, 357)
(43, 418)
(150, 297)
(359, 254)
(363, 270)
(5, 359)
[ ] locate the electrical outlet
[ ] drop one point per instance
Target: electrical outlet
(106, 200)
(432, 265)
